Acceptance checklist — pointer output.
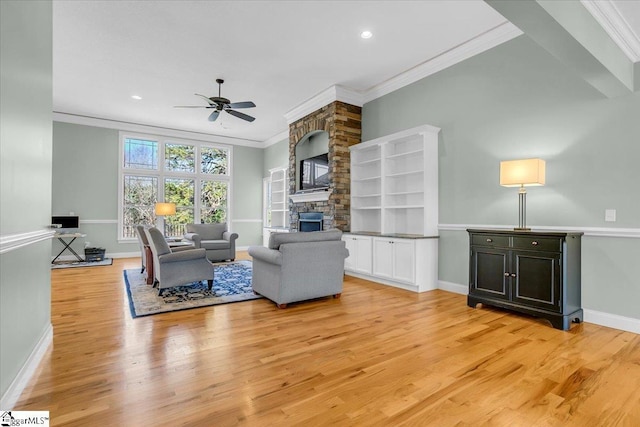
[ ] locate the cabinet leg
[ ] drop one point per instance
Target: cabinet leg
(472, 302)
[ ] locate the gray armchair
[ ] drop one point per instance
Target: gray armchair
(143, 243)
(219, 243)
(299, 266)
(177, 268)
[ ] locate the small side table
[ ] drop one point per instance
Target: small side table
(67, 244)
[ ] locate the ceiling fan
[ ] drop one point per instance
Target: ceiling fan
(223, 104)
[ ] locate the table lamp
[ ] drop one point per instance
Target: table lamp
(164, 209)
(522, 173)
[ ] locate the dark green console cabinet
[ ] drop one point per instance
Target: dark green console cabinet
(529, 272)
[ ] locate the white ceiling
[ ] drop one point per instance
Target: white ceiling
(275, 53)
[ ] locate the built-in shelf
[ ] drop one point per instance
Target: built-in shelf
(366, 162)
(394, 248)
(404, 193)
(408, 153)
(405, 207)
(393, 175)
(366, 179)
(399, 174)
(279, 201)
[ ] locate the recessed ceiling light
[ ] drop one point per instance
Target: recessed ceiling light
(366, 34)
(136, 97)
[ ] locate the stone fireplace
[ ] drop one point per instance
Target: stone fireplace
(342, 122)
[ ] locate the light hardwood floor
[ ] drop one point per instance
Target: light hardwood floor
(376, 356)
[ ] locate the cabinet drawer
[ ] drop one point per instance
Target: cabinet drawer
(551, 244)
(490, 240)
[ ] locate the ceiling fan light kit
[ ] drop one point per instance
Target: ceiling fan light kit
(222, 104)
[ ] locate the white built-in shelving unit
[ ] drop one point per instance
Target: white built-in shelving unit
(278, 203)
(279, 198)
(394, 183)
(394, 210)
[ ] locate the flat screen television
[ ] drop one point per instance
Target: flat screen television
(314, 172)
(65, 223)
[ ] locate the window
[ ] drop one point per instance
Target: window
(193, 175)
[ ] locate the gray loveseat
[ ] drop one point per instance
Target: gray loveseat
(299, 266)
(219, 243)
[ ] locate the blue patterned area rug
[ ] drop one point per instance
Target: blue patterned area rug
(231, 283)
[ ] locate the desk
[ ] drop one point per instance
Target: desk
(62, 237)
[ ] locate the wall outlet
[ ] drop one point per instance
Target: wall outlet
(610, 215)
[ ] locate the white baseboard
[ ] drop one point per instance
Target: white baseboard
(453, 287)
(590, 316)
(405, 286)
(11, 396)
(612, 320)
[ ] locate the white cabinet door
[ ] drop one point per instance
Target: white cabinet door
(359, 259)
(383, 257)
(350, 244)
(363, 249)
(404, 253)
(394, 259)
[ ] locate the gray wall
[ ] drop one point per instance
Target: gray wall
(313, 146)
(247, 195)
(25, 180)
(516, 101)
(276, 156)
(85, 181)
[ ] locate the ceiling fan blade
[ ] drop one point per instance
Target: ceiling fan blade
(191, 106)
(205, 97)
(241, 115)
(245, 104)
(214, 116)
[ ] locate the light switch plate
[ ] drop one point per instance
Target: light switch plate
(610, 215)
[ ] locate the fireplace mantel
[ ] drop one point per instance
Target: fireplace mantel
(312, 196)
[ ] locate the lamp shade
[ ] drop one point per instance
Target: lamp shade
(164, 209)
(516, 173)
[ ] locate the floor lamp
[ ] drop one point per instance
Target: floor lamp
(162, 210)
(522, 173)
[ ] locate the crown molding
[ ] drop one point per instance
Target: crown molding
(327, 96)
(485, 41)
(276, 138)
(614, 24)
(153, 130)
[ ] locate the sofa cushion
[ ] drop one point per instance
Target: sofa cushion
(215, 244)
(208, 231)
(277, 239)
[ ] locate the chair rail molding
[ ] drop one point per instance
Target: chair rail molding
(9, 242)
(588, 231)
